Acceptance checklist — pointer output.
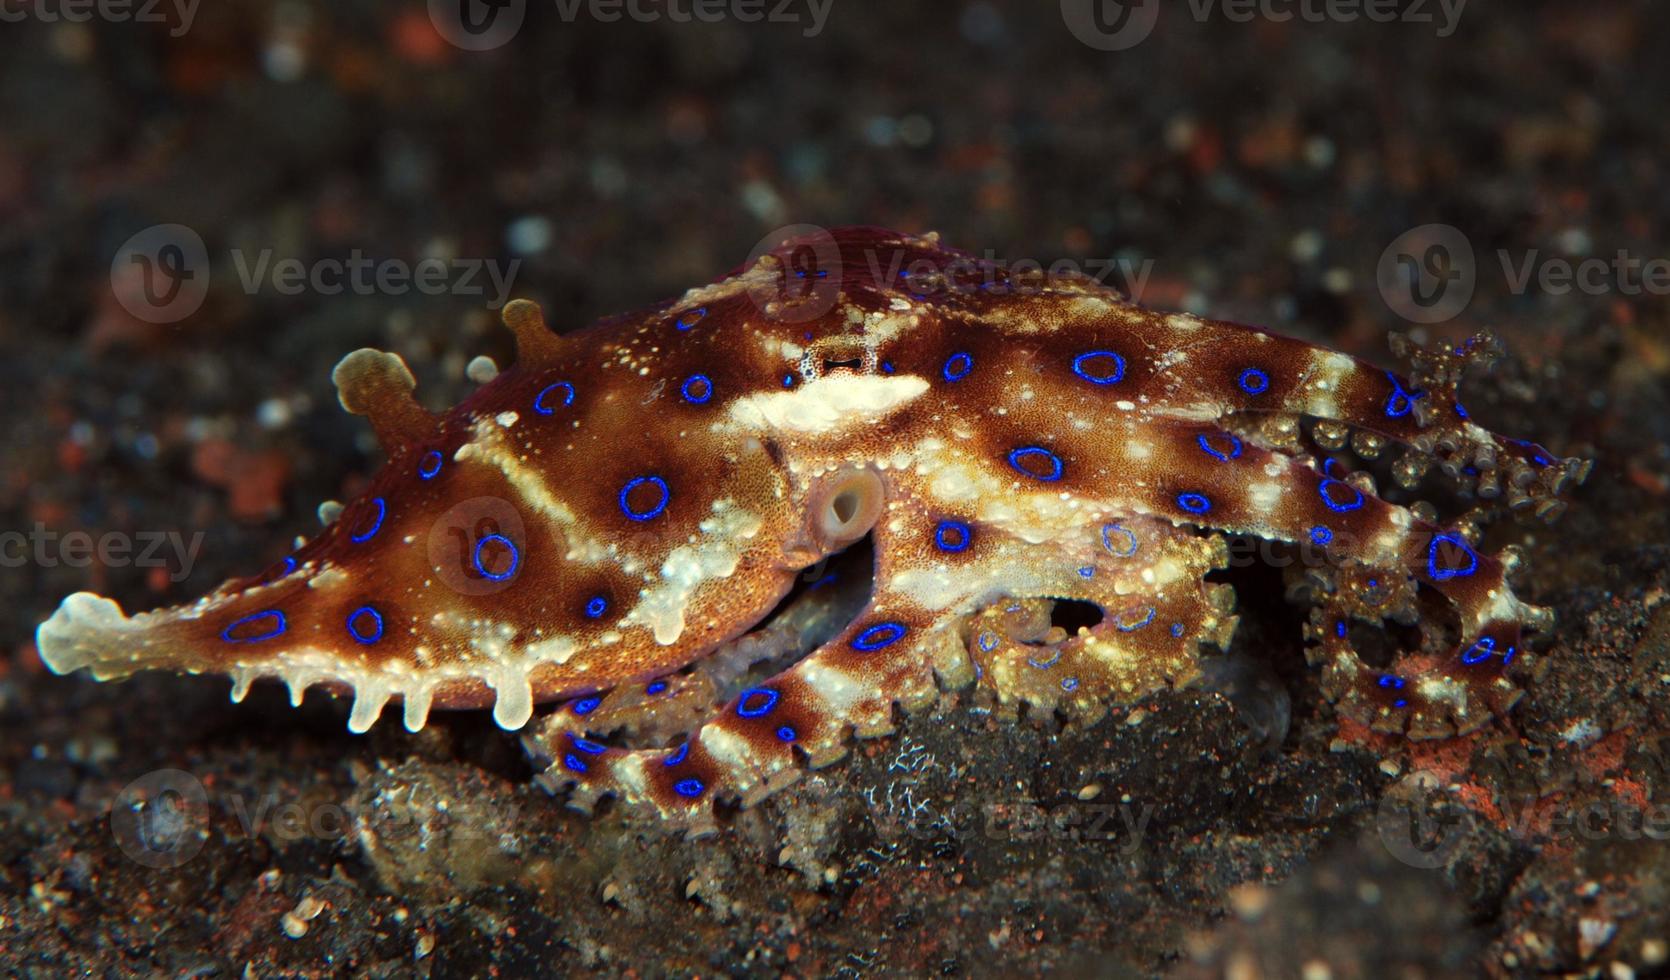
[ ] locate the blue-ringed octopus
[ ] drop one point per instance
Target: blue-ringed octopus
(729, 533)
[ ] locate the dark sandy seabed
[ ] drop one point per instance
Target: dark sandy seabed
(1262, 167)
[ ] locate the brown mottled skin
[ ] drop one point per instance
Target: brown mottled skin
(1003, 443)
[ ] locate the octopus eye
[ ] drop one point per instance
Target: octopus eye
(846, 508)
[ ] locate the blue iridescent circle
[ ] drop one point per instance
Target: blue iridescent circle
(756, 701)
(366, 633)
(1222, 455)
(429, 465)
(1353, 501)
(878, 636)
(1253, 381)
(1400, 402)
(655, 687)
(1483, 649)
(596, 607)
(1391, 681)
(952, 536)
(586, 746)
(1030, 452)
(689, 788)
(1096, 374)
(515, 557)
(587, 705)
(277, 627)
(1126, 624)
(787, 734)
(1321, 535)
(691, 318)
(574, 763)
(1445, 574)
(957, 366)
(540, 401)
(697, 389)
(650, 512)
(1130, 538)
(1194, 503)
(376, 525)
(678, 755)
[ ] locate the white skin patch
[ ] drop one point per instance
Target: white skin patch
(827, 405)
(714, 555)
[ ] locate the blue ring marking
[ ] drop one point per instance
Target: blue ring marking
(987, 642)
(587, 705)
(653, 512)
(430, 465)
(1026, 452)
(278, 627)
(1254, 381)
(655, 687)
(1339, 507)
(1088, 571)
(1125, 627)
(1205, 440)
(957, 366)
(1445, 574)
(952, 536)
(289, 565)
(586, 746)
(697, 389)
(689, 788)
(788, 380)
(1339, 628)
(1400, 402)
(678, 756)
(1486, 648)
(1321, 535)
(574, 763)
(1104, 378)
(1176, 629)
(743, 710)
(690, 318)
(377, 525)
(1055, 655)
(1069, 684)
(1130, 538)
(878, 636)
(886, 367)
(1461, 411)
(787, 734)
(366, 637)
(567, 397)
(1194, 503)
(1391, 681)
(515, 557)
(596, 607)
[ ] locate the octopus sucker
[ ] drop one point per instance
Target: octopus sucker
(693, 551)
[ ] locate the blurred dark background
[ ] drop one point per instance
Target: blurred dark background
(1257, 169)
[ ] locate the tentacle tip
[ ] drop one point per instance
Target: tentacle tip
(535, 342)
(368, 377)
(87, 630)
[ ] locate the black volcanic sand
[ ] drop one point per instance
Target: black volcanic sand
(1261, 168)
